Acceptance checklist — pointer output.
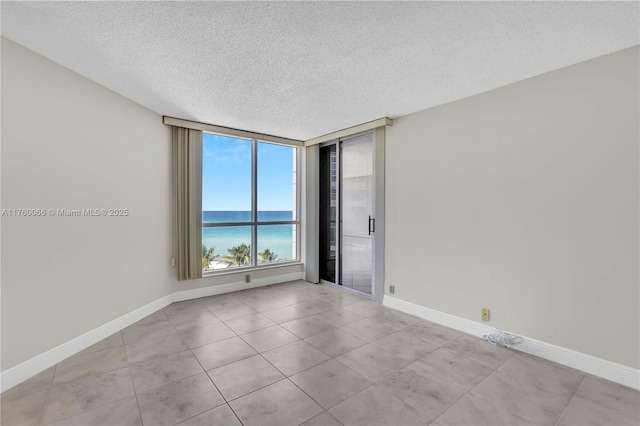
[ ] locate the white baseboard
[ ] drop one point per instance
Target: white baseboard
(25, 370)
(612, 371)
(196, 293)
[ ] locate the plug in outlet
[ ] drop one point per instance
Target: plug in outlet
(247, 278)
(392, 289)
(485, 314)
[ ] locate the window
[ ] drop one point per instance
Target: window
(249, 203)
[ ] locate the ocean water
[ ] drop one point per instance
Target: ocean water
(277, 238)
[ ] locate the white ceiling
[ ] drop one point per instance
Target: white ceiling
(304, 69)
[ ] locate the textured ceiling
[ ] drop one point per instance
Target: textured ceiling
(303, 69)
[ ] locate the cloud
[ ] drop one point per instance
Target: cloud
(224, 149)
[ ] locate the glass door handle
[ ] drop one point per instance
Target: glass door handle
(372, 221)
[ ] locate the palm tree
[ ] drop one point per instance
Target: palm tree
(239, 255)
(207, 256)
(267, 256)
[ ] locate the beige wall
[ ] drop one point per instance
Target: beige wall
(525, 200)
(70, 143)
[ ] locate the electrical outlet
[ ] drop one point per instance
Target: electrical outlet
(485, 314)
(392, 289)
(247, 278)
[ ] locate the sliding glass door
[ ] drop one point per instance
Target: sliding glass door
(347, 220)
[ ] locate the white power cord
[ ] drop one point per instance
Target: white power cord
(502, 338)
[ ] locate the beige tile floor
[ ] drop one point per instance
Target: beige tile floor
(297, 353)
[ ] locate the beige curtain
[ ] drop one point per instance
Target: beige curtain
(187, 204)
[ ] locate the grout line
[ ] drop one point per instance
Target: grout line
(215, 386)
(135, 394)
(99, 407)
(571, 399)
(209, 377)
(234, 413)
(467, 392)
(46, 404)
(85, 378)
(310, 397)
(257, 389)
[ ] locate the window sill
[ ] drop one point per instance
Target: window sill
(221, 272)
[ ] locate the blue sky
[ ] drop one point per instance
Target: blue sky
(226, 174)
